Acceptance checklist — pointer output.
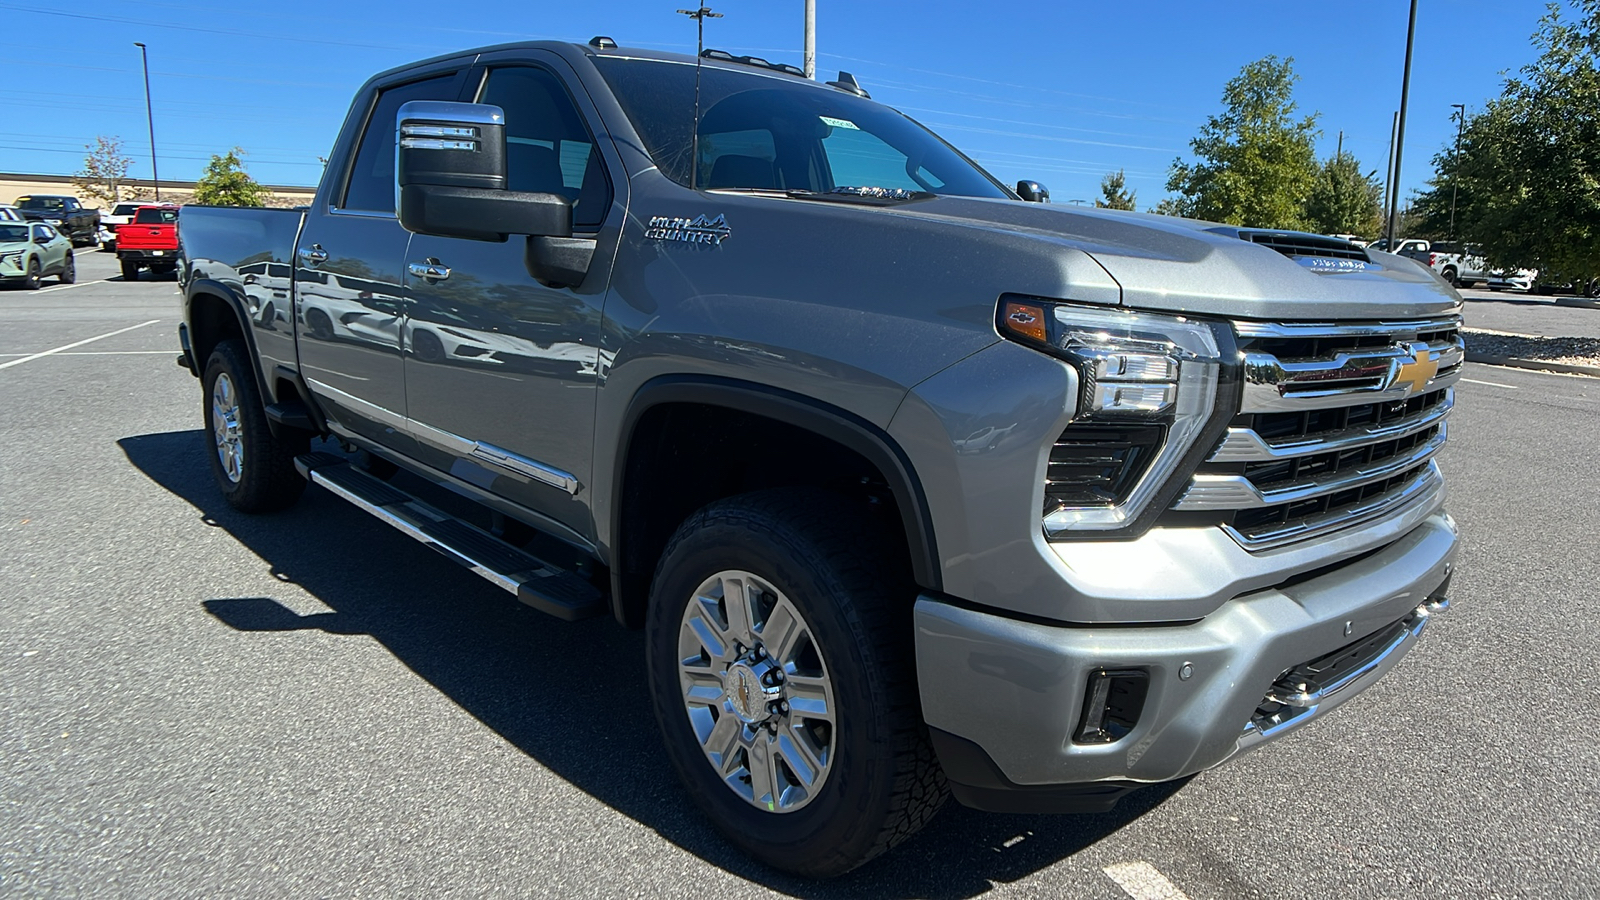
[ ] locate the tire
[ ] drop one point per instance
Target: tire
(321, 326)
(31, 280)
(253, 468)
(879, 781)
(130, 270)
(69, 271)
(426, 346)
(1450, 277)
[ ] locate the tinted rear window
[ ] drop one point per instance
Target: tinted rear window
(775, 132)
(156, 216)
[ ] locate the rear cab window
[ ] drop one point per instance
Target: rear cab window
(156, 217)
(370, 187)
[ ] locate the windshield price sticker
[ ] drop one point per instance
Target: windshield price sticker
(840, 123)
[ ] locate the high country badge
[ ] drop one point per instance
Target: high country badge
(699, 230)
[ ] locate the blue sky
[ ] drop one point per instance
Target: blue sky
(1061, 92)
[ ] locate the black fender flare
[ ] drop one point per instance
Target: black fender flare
(824, 419)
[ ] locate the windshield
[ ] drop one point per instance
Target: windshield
(768, 132)
(41, 203)
(13, 234)
(125, 209)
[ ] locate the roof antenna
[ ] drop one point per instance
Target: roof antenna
(699, 16)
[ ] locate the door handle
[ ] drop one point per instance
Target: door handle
(313, 254)
(430, 270)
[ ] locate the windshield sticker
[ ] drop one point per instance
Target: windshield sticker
(1331, 266)
(840, 123)
(698, 230)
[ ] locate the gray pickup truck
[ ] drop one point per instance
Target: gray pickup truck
(915, 487)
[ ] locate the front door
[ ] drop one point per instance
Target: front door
(348, 287)
(501, 371)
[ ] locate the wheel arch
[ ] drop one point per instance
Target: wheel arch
(213, 314)
(635, 549)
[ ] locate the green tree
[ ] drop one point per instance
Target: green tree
(1168, 206)
(1114, 188)
(105, 167)
(226, 183)
(1344, 201)
(1527, 182)
(1255, 164)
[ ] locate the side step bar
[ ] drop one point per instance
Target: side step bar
(535, 582)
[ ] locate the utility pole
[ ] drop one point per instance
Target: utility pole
(699, 16)
(1340, 151)
(150, 117)
(811, 40)
(1400, 129)
(1455, 173)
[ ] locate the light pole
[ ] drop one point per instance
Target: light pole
(810, 57)
(1400, 130)
(1455, 174)
(150, 117)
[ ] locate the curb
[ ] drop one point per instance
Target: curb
(1578, 302)
(1534, 364)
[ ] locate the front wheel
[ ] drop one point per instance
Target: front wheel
(252, 467)
(31, 281)
(783, 677)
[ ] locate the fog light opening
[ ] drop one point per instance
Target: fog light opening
(1113, 699)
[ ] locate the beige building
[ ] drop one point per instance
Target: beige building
(14, 185)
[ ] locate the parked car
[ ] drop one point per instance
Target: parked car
(120, 214)
(79, 223)
(1462, 265)
(913, 485)
(30, 251)
(9, 213)
(150, 241)
(1524, 280)
(1402, 245)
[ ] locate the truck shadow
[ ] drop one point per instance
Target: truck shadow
(564, 694)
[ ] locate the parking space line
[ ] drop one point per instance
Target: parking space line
(98, 337)
(1142, 881)
(1493, 384)
(105, 353)
(62, 287)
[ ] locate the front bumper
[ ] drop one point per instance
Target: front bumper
(1016, 689)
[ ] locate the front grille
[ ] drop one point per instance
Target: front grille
(1338, 426)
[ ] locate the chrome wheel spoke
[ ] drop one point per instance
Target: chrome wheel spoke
(794, 746)
(781, 632)
(702, 686)
(764, 787)
(722, 744)
(736, 606)
(809, 698)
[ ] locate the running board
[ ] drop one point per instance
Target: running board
(535, 582)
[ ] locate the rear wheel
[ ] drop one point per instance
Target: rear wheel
(35, 273)
(69, 271)
(1450, 276)
(253, 468)
(782, 673)
(130, 270)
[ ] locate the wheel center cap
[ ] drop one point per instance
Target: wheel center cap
(748, 693)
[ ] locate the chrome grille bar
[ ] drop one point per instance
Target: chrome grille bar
(1239, 492)
(1245, 445)
(1278, 534)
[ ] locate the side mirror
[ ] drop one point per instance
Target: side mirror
(1033, 192)
(450, 169)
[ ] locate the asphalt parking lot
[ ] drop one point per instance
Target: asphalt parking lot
(200, 703)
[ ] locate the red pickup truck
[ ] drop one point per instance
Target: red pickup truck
(150, 241)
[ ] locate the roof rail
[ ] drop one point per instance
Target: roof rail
(756, 61)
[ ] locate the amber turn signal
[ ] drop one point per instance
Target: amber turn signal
(1025, 320)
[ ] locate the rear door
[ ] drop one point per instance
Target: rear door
(347, 268)
(501, 371)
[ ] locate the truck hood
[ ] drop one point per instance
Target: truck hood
(1184, 265)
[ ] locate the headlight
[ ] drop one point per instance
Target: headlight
(1149, 390)
(52, 221)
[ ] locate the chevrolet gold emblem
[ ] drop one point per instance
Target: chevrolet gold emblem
(1416, 374)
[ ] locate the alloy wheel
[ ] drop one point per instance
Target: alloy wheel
(756, 691)
(225, 427)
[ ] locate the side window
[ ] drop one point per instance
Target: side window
(43, 231)
(371, 185)
(549, 149)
